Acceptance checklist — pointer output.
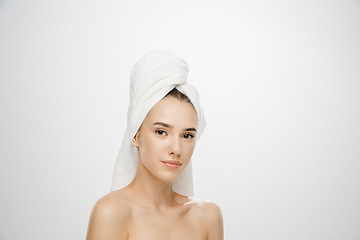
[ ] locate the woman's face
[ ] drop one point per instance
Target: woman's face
(166, 139)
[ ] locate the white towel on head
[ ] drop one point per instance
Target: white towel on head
(152, 77)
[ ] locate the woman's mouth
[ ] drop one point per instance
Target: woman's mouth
(173, 164)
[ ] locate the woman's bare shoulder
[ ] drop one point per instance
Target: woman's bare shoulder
(109, 217)
(204, 207)
(210, 216)
(113, 203)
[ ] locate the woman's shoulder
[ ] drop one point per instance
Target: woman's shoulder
(109, 216)
(209, 215)
(204, 207)
(114, 205)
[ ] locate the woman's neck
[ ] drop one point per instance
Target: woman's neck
(150, 191)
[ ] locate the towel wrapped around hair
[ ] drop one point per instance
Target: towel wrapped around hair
(152, 77)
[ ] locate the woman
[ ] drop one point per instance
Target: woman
(151, 194)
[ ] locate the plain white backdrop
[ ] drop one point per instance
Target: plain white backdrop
(279, 82)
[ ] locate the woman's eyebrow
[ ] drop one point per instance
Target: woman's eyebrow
(169, 126)
(163, 124)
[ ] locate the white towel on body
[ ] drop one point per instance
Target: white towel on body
(152, 77)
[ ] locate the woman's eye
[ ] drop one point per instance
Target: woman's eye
(188, 136)
(160, 132)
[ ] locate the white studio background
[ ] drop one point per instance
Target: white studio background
(279, 83)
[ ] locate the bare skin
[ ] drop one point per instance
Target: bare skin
(148, 208)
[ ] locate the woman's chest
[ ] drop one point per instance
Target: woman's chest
(150, 226)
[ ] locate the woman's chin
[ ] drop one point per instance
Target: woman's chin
(168, 177)
(166, 174)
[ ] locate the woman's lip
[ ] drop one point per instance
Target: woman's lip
(173, 164)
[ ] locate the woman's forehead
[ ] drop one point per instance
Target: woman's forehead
(173, 111)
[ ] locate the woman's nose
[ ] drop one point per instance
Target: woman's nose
(175, 146)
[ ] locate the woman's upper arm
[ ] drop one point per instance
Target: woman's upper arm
(214, 222)
(107, 221)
